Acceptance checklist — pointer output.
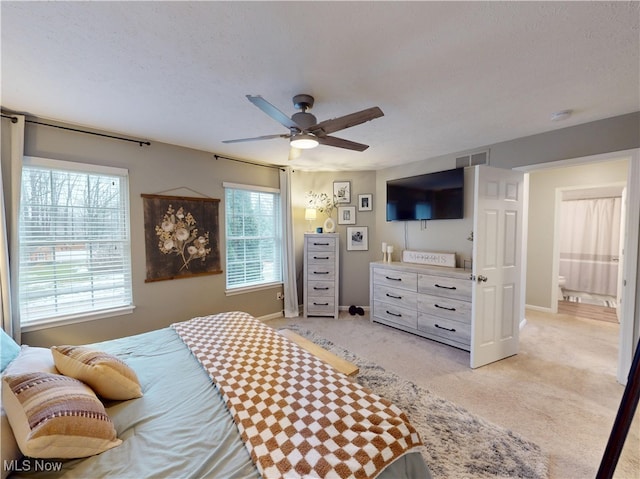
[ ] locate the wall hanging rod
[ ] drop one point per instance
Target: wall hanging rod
(220, 157)
(139, 142)
(13, 118)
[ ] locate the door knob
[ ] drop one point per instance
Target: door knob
(482, 279)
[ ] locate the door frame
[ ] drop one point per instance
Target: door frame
(630, 321)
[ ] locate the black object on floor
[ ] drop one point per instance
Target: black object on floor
(360, 311)
(352, 310)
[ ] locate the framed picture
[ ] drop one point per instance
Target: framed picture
(365, 202)
(357, 238)
(346, 215)
(342, 191)
(181, 237)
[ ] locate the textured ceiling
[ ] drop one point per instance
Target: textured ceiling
(449, 76)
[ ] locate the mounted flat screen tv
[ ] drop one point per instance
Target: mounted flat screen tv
(432, 196)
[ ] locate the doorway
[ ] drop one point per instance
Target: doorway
(542, 261)
(590, 248)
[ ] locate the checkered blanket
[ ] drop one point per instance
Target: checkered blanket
(297, 415)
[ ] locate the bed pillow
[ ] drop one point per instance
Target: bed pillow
(55, 416)
(29, 360)
(9, 350)
(107, 375)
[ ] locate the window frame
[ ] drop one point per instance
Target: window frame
(279, 238)
(89, 314)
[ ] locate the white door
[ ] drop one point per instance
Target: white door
(497, 229)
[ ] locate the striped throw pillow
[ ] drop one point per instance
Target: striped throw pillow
(108, 376)
(54, 416)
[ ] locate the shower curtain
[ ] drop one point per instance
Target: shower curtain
(590, 244)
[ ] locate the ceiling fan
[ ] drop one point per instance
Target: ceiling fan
(304, 130)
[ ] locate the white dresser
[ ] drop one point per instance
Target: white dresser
(321, 274)
(430, 301)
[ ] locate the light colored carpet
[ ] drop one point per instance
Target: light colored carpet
(457, 444)
(560, 391)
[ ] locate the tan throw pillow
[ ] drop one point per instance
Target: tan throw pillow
(107, 375)
(54, 416)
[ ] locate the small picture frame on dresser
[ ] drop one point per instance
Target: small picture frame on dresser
(358, 238)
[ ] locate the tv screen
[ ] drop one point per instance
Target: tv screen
(432, 196)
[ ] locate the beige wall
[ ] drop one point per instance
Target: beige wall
(354, 265)
(159, 168)
(542, 210)
(163, 168)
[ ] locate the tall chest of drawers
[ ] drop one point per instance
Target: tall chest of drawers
(321, 274)
(433, 302)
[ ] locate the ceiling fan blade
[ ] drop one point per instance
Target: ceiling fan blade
(273, 112)
(341, 143)
(265, 137)
(346, 121)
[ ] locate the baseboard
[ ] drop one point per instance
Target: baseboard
(538, 308)
(271, 316)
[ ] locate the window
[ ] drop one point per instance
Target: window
(253, 236)
(75, 251)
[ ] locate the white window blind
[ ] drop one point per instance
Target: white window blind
(75, 251)
(253, 236)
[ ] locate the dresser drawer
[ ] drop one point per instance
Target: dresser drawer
(321, 289)
(396, 279)
(457, 288)
(396, 296)
(447, 308)
(395, 314)
(445, 328)
(321, 244)
(321, 257)
(317, 272)
(321, 306)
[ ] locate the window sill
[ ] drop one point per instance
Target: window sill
(251, 289)
(73, 319)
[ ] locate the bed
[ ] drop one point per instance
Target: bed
(186, 424)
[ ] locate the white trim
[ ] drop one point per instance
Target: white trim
(251, 289)
(538, 308)
(272, 316)
(611, 156)
(239, 186)
(73, 166)
(73, 319)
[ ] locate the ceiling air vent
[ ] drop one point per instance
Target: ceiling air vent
(479, 158)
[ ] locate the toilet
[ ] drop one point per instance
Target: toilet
(562, 281)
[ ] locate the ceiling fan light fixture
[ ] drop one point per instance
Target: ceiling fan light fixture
(304, 141)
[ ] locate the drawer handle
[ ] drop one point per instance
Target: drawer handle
(394, 297)
(444, 307)
(317, 288)
(397, 315)
(393, 279)
(320, 257)
(320, 244)
(446, 329)
(320, 272)
(445, 287)
(320, 304)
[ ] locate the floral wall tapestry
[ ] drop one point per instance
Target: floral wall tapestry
(181, 236)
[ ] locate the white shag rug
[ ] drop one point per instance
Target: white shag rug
(457, 444)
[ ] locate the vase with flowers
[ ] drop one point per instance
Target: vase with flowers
(324, 204)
